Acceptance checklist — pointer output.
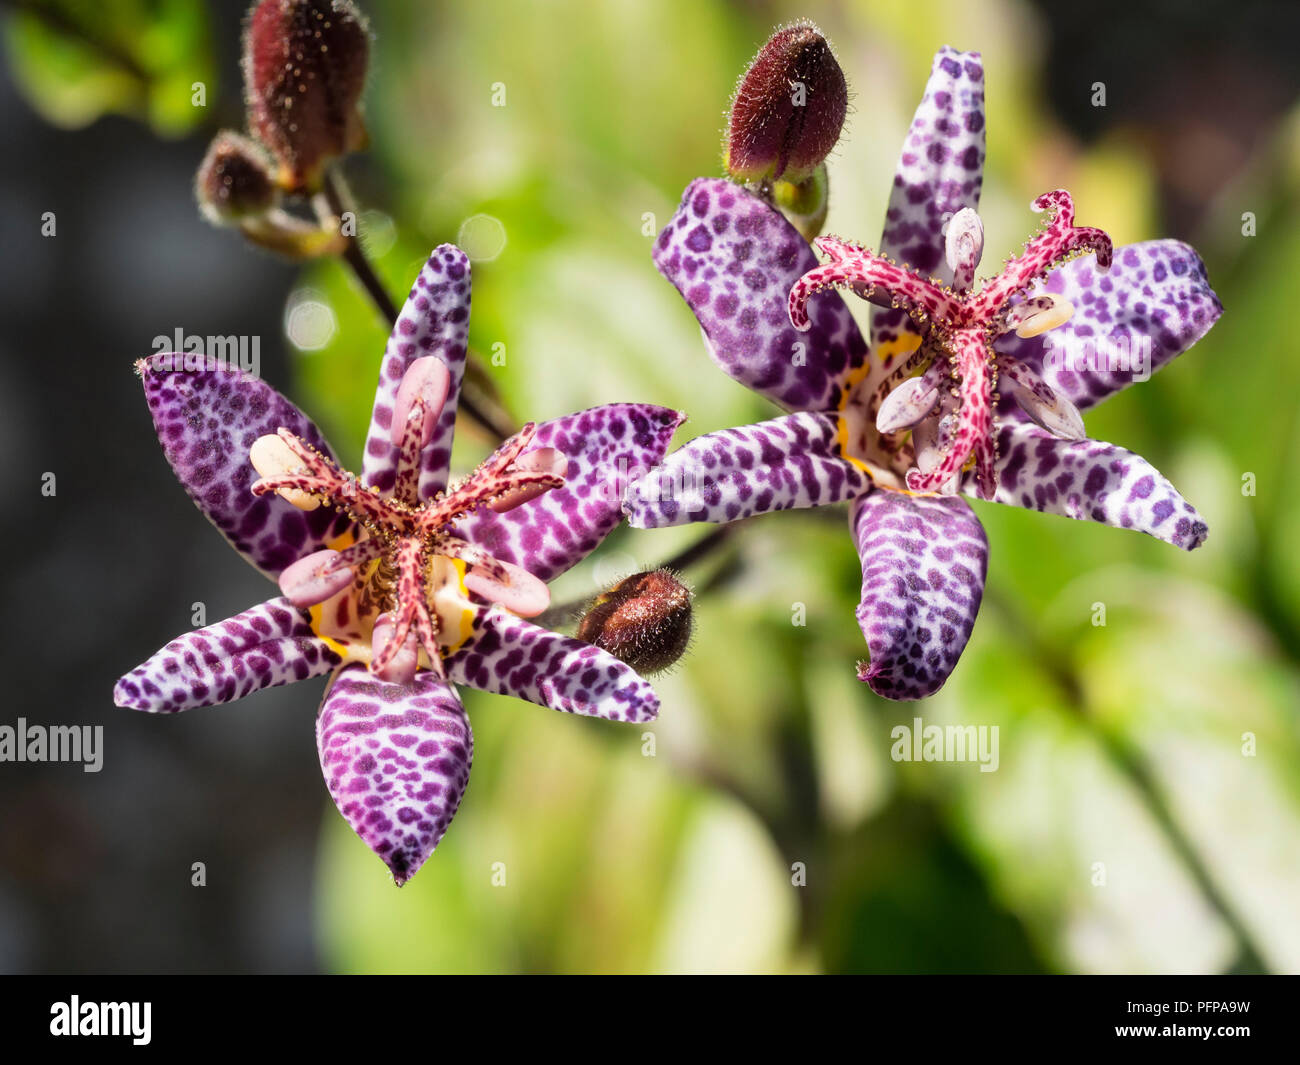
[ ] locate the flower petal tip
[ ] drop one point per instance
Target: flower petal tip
(1196, 535)
(127, 695)
(880, 681)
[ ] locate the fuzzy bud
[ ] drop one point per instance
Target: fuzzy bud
(643, 620)
(788, 109)
(304, 69)
(234, 180)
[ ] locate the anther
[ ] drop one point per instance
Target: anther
(273, 458)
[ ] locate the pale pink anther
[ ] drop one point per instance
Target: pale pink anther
(429, 379)
(521, 593)
(547, 460)
(412, 539)
(314, 578)
(400, 668)
(1044, 405)
(910, 402)
(964, 247)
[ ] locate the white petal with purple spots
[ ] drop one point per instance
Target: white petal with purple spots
(1092, 481)
(607, 447)
(734, 258)
(434, 321)
(509, 656)
(1153, 304)
(940, 171)
(396, 760)
(266, 645)
(924, 560)
(206, 420)
(785, 463)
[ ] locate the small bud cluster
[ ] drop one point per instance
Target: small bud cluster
(304, 66)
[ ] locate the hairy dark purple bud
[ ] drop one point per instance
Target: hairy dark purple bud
(788, 109)
(304, 69)
(234, 180)
(643, 620)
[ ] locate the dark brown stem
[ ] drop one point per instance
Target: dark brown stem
(338, 201)
(699, 550)
(565, 613)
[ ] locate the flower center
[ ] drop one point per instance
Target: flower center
(406, 580)
(950, 406)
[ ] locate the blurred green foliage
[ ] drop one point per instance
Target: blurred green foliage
(1125, 829)
(76, 60)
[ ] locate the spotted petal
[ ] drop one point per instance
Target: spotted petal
(265, 646)
(434, 321)
(1153, 304)
(606, 447)
(206, 420)
(734, 258)
(396, 760)
(1092, 481)
(785, 463)
(924, 559)
(940, 171)
(509, 656)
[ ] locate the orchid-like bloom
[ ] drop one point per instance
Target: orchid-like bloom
(398, 582)
(963, 388)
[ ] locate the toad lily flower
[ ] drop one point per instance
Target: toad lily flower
(964, 389)
(399, 583)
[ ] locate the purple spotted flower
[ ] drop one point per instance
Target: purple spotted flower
(962, 389)
(397, 582)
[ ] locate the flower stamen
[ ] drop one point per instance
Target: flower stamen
(411, 540)
(959, 328)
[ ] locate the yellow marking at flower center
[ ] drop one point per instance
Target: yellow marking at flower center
(451, 603)
(852, 409)
(448, 597)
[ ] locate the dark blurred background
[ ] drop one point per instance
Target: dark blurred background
(611, 112)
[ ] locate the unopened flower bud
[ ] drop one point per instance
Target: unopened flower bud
(234, 180)
(643, 620)
(304, 69)
(788, 109)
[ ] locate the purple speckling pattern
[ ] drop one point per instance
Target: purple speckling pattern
(733, 258)
(510, 656)
(1156, 298)
(940, 171)
(787, 462)
(206, 421)
(434, 321)
(1093, 481)
(396, 760)
(606, 447)
(395, 756)
(924, 560)
(266, 645)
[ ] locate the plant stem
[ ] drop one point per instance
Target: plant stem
(564, 613)
(338, 201)
(353, 254)
(699, 550)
